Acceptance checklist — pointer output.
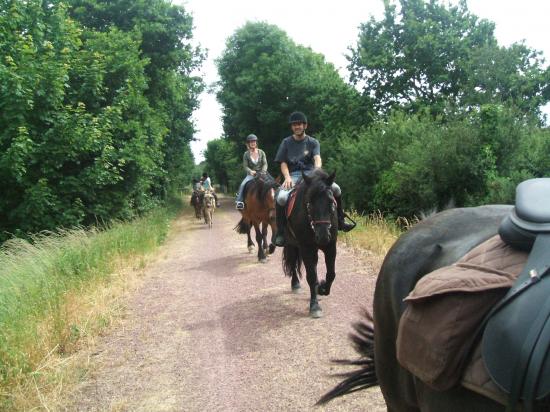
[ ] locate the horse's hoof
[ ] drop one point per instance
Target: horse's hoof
(250, 249)
(322, 289)
(316, 313)
(296, 289)
(264, 260)
(271, 248)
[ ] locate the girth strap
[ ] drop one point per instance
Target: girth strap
(515, 340)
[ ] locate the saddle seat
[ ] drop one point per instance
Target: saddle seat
(530, 216)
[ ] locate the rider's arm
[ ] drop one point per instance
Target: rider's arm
(317, 162)
(263, 159)
(287, 184)
(245, 164)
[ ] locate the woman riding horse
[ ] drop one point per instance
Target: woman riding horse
(254, 161)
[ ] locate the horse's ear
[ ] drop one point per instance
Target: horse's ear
(306, 178)
(330, 179)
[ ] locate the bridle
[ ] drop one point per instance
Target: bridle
(313, 222)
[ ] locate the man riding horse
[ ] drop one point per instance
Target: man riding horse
(300, 153)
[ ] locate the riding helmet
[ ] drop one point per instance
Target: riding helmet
(297, 117)
(251, 138)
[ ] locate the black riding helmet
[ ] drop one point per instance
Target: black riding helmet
(297, 117)
(251, 138)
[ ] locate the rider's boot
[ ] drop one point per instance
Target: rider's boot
(280, 214)
(342, 225)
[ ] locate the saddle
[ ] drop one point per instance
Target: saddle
(516, 336)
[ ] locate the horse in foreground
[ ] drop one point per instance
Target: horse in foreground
(434, 243)
(259, 212)
(208, 207)
(312, 226)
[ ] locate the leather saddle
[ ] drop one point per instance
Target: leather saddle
(516, 338)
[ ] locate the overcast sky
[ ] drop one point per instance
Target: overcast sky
(330, 28)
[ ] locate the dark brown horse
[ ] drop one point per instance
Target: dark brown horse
(312, 226)
(259, 212)
(196, 201)
(436, 242)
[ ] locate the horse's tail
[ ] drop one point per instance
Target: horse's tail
(365, 377)
(292, 261)
(242, 227)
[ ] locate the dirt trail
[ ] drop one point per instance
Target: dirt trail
(211, 329)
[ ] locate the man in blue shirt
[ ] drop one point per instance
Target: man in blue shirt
(300, 152)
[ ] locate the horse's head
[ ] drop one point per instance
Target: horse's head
(321, 205)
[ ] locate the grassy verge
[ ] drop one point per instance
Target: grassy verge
(60, 291)
(374, 234)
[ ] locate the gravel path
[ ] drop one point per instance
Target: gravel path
(211, 329)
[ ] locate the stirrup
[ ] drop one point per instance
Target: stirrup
(240, 205)
(346, 227)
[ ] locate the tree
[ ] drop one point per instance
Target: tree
(264, 76)
(221, 163)
(426, 54)
(165, 31)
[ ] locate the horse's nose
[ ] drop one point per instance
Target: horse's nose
(322, 236)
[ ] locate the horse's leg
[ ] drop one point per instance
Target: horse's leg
(330, 263)
(264, 237)
(310, 259)
(273, 226)
(259, 239)
(250, 243)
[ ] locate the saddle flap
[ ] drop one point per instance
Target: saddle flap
(515, 339)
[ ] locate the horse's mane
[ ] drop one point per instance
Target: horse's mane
(318, 184)
(264, 183)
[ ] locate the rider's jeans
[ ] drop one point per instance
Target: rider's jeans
(282, 194)
(247, 179)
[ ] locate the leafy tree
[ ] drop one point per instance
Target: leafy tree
(423, 53)
(165, 31)
(264, 76)
(81, 138)
(221, 163)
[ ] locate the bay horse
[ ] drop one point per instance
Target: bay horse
(208, 207)
(196, 202)
(259, 212)
(433, 243)
(312, 226)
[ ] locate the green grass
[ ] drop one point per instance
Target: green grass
(38, 280)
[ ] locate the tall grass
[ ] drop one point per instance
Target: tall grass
(41, 284)
(375, 234)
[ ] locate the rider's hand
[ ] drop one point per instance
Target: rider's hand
(253, 173)
(287, 184)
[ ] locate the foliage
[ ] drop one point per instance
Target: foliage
(222, 164)
(407, 165)
(426, 54)
(82, 136)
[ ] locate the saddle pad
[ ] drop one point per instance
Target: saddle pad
(444, 310)
(291, 202)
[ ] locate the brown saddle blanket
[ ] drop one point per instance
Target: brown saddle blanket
(437, 330)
